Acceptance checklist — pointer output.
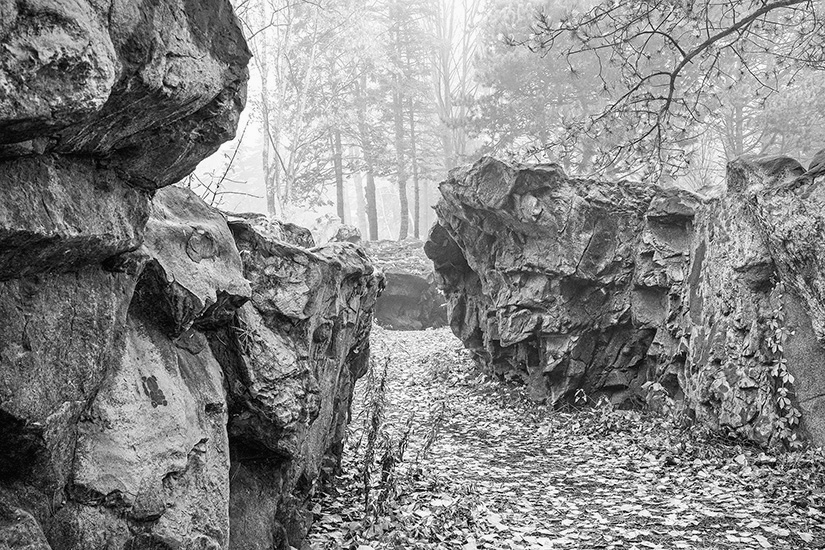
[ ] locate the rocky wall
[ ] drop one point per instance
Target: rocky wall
(168, 379)
(587, 290)
(411, 299)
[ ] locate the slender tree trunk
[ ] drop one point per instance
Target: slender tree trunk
(398, 122)
(337, 159)
(414, 162)
(426, 211)
(739, 123)
(400, 162)
(269, 169)
(372, 208)
(278, 207)
(360, 203)
(366, 150)
(446, 128)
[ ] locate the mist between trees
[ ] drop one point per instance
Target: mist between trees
(356, 109)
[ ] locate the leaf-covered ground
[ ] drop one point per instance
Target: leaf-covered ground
(502, 472)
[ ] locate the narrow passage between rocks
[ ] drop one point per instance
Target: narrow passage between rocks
(484, 467)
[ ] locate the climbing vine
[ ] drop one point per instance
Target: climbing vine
(789, 415)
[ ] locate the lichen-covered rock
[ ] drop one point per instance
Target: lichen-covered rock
(729, 297)
(122, 421)
(195, 270)
(59, 334)
(548, 281)
(152, 447)
(590, 289)
(790, 222)
(411, 300)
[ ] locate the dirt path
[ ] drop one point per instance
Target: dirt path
(507, 473)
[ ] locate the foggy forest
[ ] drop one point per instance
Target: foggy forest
(357, 109)
(412, 274)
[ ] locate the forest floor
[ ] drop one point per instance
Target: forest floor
(458, 460)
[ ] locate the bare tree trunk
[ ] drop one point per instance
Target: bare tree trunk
(372, 208)
(739, 132)
(455, 26)
(337, 160)
(269, 168)
(366, 150)
(426, 212)
(400, 162)
(271, 171)
(360, 203)
(398, 122)
(414, 161)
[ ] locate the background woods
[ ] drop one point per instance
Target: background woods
(357, 108)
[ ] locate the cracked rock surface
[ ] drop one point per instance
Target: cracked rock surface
(588, 289)
(145, 88)
(168, 379)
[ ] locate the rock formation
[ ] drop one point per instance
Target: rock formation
(158, 365)
(589, 289)
(347, 234)
(276, 229)
(411, 300)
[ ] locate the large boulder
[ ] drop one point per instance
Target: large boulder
(112, 402)
(546, 278)
(291, 357)
(146, 403)
(159, 387)
(148, 89)
(411, 299)
(588, 289)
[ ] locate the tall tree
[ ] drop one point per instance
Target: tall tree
(531, 105)
(454, 26)
(671, 58)
(369, 156)
(399, 31)
(338, 161)
(415, 171)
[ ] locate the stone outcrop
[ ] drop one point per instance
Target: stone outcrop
(348, 234)
(291, 357)
(144, 401)
(168, 379)
(145, 89)
(276, 229)
(589, 289)
(411, 300)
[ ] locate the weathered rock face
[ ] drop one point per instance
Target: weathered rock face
(411, 300)
(593, 289)
(275, 229)
(291, 358)
(147, 89)
(153, 378)
(547, 279)
(174, 403)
